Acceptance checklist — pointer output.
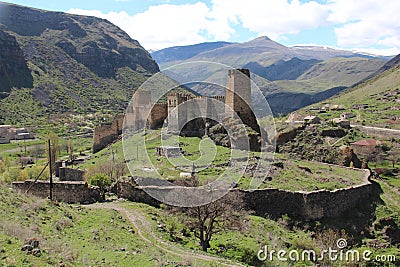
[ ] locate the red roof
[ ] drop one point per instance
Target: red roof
(366, 142)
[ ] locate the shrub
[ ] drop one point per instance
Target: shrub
(100, 180)
(14, 174)
(33, 172)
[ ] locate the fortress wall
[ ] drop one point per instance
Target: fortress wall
(219, 98)
(157, 116)
(69, 192)
(312, 205)
(118, 123)
(104, 135)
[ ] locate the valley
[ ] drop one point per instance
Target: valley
(114, 156)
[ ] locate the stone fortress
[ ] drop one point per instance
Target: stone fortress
(313, 205)
(180, 113)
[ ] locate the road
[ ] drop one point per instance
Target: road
(386, 131)
(143, 226)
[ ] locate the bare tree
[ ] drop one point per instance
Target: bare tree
(38, 150)
(70, 149)
(54, 148)
(393, 157)
(204, 221)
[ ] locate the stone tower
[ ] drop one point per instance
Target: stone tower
(136, 114)
(177, 118)
(238, 97)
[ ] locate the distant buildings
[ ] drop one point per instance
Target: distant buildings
(8, 133)
(366, 146)
(342, 122)
(312, 120)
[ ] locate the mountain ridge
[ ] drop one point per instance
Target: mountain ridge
(301, 74)
(72, 63)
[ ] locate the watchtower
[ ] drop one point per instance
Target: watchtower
(238, 96)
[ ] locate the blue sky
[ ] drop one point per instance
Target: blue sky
(361, 25)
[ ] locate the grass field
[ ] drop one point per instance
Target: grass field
(73, 235)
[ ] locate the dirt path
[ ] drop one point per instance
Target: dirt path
(143, 226)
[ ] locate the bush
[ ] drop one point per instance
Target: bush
(14, 174)
(2, 166)
(101, 180)
(33, 172)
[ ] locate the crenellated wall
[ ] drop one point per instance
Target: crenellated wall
(139, 115)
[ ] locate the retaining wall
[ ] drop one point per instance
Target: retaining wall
(312, 205)
(69, 192)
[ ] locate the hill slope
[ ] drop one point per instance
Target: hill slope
(68, 63)
(375, 101)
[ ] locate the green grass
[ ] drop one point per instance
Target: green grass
(379, 93)
(291, 177)
(72, 234)
(80, 236)
(243, 244)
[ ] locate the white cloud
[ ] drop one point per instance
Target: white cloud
(368, 24)
(273, 18)
(162, 25)
(167, 25)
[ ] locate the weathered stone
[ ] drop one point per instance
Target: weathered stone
(69, 192)
(312, 205)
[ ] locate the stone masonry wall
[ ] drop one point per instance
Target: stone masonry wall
(69, 192)
(312, 205)
(69, 174)
(157, 116)
(105, 135)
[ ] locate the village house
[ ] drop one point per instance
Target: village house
(295, 118)
(168, 151)
(347, 115)
(366, 146)
(312, 120)
(344, 123)
(336, 107)
(360, 106)
(8, 133)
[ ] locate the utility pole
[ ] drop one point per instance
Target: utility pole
(51, 171)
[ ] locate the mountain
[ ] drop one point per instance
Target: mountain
(281, 69)
(65, 63)
(262, 50)
(376, 91)
(342, 71)
(178, 53)
(289, 77)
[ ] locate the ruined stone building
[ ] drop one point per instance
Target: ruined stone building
(183, 113)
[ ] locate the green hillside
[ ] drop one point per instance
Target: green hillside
(65, 64)
(375, 102)
(342, 71)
